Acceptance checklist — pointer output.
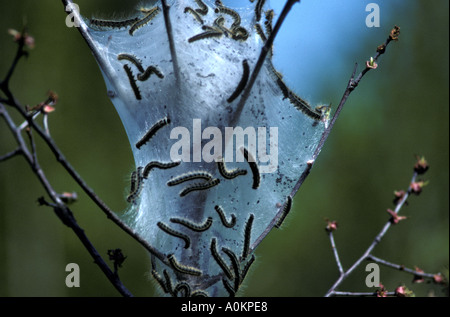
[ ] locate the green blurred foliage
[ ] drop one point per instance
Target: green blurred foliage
(399, 110)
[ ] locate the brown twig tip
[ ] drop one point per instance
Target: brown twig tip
(382, 291)
(418, 278)
(421, 165)
(331, 225)
(46, 106)
(395, 218)
(403, 291)
(395, 32)
(371, 64)
(22, 37)
(439, 279)
(399, 195)
(416, 187)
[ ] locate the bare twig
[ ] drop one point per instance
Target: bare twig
(11, 154)
(335, 252)
(420, 167)
(362, 293)
(374, 243)
(60, 209)
(401, 267)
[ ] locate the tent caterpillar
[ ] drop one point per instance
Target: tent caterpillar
(183, 268)
(159, 165)
(258, 9)
(247, 236)
(193, 226)
(298, 102)
(144, 75)
(205, 35)
(240, 34)
(133, 59)
(203, 10)
(168, 282)
(228, 287)
(160, 281)
(229, 174)
(247, 267)
(182, 286)
(189, 176)
(152, 131)
(240, 87)
(260, 32)
(236, 17)
(136, 185)
(286, 209)
(199, 186)
(225, 222)
(135, 88)
(268, 22)
(194, 13)
(175, 233)
(113, 24)
(219, 259)
(235, 265)
(253, 166)
(150, 14)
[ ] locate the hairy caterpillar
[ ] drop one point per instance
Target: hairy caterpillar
(247, 236)
(258, 9)
(113, 24)
(298, 102)
(286, 209)
(136, 185)
(240, 34)
(228, 287)
(183, 268)
(189, 176)
(203, 8)
(235, 265)
(205, 35)
(175, 233)
(240, 87)
(229, 174)
(152, 131)
(161, 281)
(247, 267)
(135, 88)
(219, 259)
(236, 17)
(260, 32)
(182, 286)
(194, 13)
(159, 165)
(199, 186)
(253, 166)
(131, 58)
(225, 222)
(150, 14)
(193, 226)
(148, 72)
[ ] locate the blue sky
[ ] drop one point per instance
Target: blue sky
(321, 40)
